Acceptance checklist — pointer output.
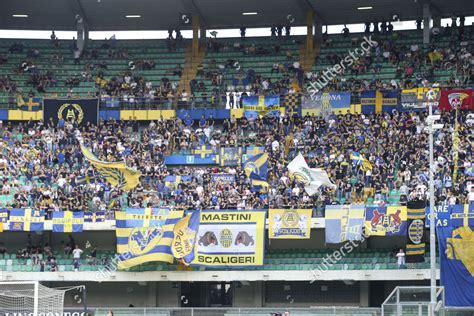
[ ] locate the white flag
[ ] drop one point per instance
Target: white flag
(312, 178)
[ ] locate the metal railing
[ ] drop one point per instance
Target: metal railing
(265, 311)
(411, 300)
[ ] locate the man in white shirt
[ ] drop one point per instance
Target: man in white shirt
(401, 259)
(76, 254)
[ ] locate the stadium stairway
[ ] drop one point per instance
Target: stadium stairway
(190, 68)
(307, 57)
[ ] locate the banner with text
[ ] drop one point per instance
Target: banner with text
(230, 238)
(289, 224)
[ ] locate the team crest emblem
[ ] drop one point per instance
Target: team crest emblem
(142, 240)
(71, 111)
(432, 94)
(251, 167)
(290, 219)
(382, 222)
(303, 175)
(415, 231)
(226, 238)
(456, 99)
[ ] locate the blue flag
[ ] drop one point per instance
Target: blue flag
(442, 215)
(112, 102)
(94, 217)
(456, 251)
(26, 219)
(257, 106)
(256, 168)
(86, 179)
(68, 222)
(462, 215)
(344, 222)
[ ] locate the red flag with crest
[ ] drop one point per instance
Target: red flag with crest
(456, 99)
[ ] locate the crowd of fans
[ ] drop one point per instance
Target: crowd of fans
(414, 66)
(411, 64)
(40, 162)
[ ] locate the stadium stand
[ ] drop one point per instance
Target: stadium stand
(209, 126)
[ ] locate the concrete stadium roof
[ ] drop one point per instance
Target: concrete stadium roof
(109, 15)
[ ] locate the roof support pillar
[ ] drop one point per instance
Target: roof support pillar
(196, 27)
(309, 31)
(426, 23)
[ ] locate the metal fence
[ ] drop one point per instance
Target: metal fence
(413, 309)
(316, 311)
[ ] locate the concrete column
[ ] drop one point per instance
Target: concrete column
(167, 295)
(151, 294)
(195, 44)
(364, 294)
(202, 35)
(82, 34)
(309, 31)
(318, 33)
(250, 294)
(426, 23)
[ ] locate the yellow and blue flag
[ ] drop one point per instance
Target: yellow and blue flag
(462, 215)
(416, 215)
(230, 156)
(292, 104)
(145, 235)
(344, 222)
(112, 102)
(94, 217)
(469, 171)
(86, 179)
(456, 251)
(172, 180)
(3, 217)
(116, 173)
(185, 237)
(386, 221)
(26, 219)
(29, 104)
(204, 151)
(68, 222)
(256, 169)
(251, 151)
(259, 106)
(361, 161)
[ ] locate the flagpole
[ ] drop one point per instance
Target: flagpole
(455, 147)
(432, 222)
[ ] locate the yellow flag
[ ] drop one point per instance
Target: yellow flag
(116, 173)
